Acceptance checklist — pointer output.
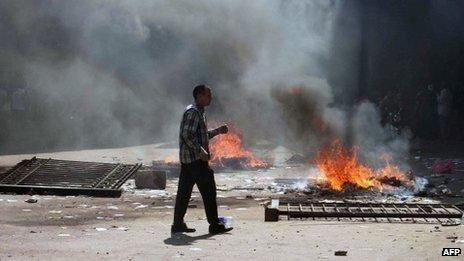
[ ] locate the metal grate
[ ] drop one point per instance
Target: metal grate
(64, 177)
(361, 211)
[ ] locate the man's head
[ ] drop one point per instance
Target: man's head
(202, 95)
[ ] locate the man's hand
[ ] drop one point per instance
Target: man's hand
(204, 155)
(223, 129)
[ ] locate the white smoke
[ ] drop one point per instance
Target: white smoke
(131, 65)
(378, 144)
(120, 72)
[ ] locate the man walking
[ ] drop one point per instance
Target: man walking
(194, 155)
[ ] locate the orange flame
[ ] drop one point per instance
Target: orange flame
(228, 146)
(171, 159)
(341, 166)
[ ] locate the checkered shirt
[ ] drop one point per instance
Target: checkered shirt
(194, 134)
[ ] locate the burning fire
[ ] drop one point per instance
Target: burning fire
(341, 166)
(229, 146)
(171, 159)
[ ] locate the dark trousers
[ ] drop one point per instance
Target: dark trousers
(199, 173)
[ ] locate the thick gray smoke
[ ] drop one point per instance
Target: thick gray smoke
(114, 73)
(378, 144)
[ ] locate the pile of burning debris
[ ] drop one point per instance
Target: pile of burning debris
(339, 171)
(227, 154)
(338, 166)
(340, 174)
(341, 166)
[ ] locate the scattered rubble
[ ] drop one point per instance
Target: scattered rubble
(140, 206)
(341, 253)
(442, 166)
(101, 229)
(440, 190)
(452, 238)
(122, 228)
(296, 159)
(392, 181)
(450, 223)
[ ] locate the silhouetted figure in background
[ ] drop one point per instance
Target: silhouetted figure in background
(386, 104)
(457, 121)
(426, 114)
(445, 102)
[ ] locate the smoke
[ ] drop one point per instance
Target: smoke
(115, 73)
(311, 122)
(378, 144)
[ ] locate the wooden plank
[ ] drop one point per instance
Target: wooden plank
(312, 209)
(386, 211)
(327, 212)
(444, 208)
(360, 210)
(421, 209)
(337, 210)
(397, 210)
(323, 208)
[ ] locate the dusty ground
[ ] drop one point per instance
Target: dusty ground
(137, 225)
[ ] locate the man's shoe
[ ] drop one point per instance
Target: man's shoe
(181, 228)
(219, 229)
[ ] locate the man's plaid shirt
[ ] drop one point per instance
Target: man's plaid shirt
(194, 134)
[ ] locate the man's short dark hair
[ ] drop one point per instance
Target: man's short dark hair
(199, 89)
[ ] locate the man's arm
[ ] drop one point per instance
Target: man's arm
(214, 132)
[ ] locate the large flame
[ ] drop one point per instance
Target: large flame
(228, 146)
(341, 166)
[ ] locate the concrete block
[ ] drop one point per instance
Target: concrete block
(150, 179)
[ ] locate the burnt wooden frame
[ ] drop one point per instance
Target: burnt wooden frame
(358, 210)
(63, 177)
